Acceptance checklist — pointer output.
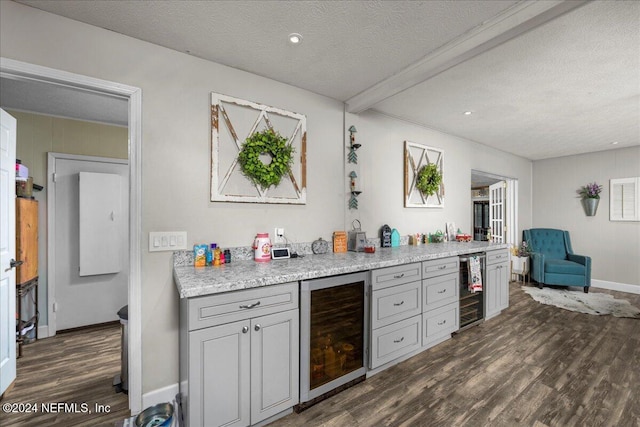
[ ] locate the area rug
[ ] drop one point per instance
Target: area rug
(591, 303)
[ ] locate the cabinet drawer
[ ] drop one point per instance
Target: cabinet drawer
(392, 276)
(494, 257)
(396, 303)
(439, 267)
(390, 342)
(439, 323)
(439, 291)
(229, 307)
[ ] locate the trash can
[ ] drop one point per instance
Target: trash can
(121, 382)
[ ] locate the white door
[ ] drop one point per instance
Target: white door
(81, 300)
(497, 211)
(7, 250)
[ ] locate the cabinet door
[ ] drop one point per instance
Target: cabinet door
(274, 364)
(219, 376)
(26, 239)
(503, 301)
(497, 289)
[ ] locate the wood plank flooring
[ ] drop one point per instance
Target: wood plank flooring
(72, 367)
(534, 365)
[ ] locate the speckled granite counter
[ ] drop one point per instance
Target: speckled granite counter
(198, 281)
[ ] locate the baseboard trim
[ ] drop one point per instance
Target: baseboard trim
(160, 395)
(614, 286)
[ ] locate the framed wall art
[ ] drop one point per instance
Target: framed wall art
(258, 153)
(423, 176)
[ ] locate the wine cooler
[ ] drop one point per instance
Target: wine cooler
(471, 303)
(333, 338)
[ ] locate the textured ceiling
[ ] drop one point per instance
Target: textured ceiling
(569, 86)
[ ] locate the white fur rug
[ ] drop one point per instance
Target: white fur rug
(577, 300)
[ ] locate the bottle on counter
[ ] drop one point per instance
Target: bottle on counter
(227, 256)
(216, 257)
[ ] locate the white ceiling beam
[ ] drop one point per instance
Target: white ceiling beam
(513, 22)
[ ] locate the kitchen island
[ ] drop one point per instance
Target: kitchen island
(241, 323)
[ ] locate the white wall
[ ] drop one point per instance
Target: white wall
(381, 168)
(613, 246)
(176, 153)
(176, 158)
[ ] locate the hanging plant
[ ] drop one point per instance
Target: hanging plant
(429, 179)
(271, 143)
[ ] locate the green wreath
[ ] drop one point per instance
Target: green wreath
(268, 142)
(429, 179)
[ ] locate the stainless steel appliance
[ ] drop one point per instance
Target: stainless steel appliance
(333, 335)
(471, 303)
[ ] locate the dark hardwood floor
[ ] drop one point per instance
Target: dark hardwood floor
(534, 365)
(72, 367)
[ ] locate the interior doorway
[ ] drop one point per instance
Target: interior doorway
(494, 213)
(51, 78)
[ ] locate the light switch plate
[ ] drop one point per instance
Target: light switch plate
(167, 241)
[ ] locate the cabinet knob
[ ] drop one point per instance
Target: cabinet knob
(442, 323)
(245, 329)
(257, 327)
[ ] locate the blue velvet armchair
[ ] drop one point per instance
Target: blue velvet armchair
(553, 261)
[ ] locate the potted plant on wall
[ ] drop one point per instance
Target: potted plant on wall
(590, 195)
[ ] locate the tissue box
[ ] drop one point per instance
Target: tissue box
(22, 172)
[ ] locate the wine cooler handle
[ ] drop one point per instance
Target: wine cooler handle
(255, 304)
(245, 329)
(257, 327)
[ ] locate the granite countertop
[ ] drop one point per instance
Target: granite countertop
(199, 281)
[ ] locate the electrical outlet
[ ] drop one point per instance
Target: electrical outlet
(278, 236)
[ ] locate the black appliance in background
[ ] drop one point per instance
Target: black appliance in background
(471, 303)
(480, 220)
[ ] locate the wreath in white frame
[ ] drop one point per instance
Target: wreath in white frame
(422, 161)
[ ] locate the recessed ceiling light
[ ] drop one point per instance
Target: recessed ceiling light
(614, 143)
(295, 38)
(468, 113)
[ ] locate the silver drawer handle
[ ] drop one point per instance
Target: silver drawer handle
(442, 267)
(398, 276)
(398, 304)
(398, 341)
(245, 329)
(255, 304)
(257, 327)
(442, 323)
(442, 291)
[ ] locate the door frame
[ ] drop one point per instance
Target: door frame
(52, 157)
(511, 205)
(13, 69)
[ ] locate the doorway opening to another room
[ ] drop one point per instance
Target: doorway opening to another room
(494, 213)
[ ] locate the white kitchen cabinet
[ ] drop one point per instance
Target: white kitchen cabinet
(242, 367)
(440, 300)
(396, 306)
(496, 283)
